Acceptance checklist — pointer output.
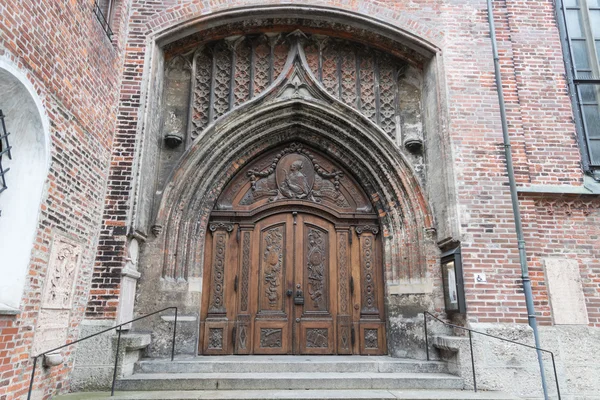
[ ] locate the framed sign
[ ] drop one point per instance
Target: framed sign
(452, 275)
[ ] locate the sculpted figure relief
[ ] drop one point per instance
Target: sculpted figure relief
(295, 184)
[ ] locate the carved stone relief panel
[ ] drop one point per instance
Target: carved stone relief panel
(63, 267)
(57, 297)
(51, 330)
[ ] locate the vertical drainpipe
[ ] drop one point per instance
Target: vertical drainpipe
(515, 201)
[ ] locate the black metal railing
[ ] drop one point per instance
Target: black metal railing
(471, 331)
(103, 20)
(5, 148)
(119, 330)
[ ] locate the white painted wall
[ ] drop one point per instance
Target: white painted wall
(20, 203)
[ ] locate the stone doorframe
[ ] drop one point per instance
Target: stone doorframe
(295, 108)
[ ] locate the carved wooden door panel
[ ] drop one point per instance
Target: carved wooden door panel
(293, 261)
(316, 281)
(273, 265)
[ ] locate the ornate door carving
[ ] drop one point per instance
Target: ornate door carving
(293, 263)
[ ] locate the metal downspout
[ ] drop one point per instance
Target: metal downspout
(515, 201)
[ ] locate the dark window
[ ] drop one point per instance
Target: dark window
(582, 20)
(4, 152)
(104, 12)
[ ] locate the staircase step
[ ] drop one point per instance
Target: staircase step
(270, 364)
(293, 395)
(289, 380)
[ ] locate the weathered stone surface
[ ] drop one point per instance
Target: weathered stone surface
(565, 291)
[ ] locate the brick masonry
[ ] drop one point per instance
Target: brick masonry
(75, 70)
(92, 89)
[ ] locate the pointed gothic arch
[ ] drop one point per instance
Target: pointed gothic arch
(295, 108)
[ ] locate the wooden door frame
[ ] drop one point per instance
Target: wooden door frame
(350, 229)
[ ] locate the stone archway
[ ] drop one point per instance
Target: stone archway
(295, 108)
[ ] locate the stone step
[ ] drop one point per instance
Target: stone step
(270, 364)
(293, 395)
(289, 380)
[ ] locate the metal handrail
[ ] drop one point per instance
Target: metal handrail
(112, 391)
(471, 331)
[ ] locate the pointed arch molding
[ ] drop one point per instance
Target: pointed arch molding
(295, 108)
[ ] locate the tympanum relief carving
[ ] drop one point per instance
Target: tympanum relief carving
(295, 173)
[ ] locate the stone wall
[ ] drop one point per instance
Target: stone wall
(515, 369)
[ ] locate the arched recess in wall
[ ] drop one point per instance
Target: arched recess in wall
(295, 108)
(20, 203)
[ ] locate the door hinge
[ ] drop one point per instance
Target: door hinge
(353, 336)
(233, 332)
(237, 235)
(235, 284)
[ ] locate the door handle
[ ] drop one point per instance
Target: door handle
(351, 285)
(299, 299)
(289, 293)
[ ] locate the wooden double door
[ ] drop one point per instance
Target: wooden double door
(292, 283)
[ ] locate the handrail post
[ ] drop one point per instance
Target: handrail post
(112, 390)
(472, 361)
(174, 332)
(32, 377)
(555, 375)
(426, 338)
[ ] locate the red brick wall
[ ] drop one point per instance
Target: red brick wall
(75, 70)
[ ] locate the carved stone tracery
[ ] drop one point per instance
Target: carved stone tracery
(229, 72)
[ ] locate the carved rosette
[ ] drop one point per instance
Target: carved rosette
(215, 338)
(371, 339)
